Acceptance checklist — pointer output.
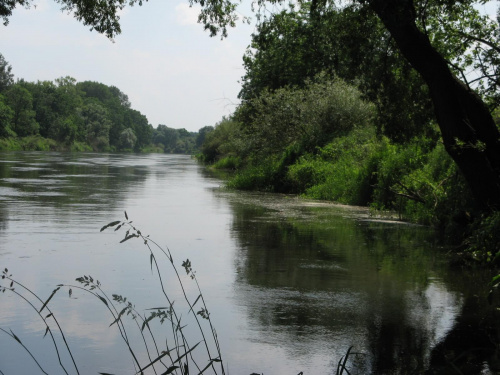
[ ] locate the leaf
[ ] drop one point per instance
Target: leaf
(192, 306)
(153, 362)
(112, 224)
(103, 300)
(118, 227)
(207, 366)
(129, 237)
(186, 353)
(48, 316)
(46, 331)
(151, 261)
(158, 308)
(119, 316)
(170, 370)
(70, 292)
(126, 216)
(48, 299)
(15, 337)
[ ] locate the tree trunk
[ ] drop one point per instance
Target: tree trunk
(469, 133)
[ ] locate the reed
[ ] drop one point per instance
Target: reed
(168, 350)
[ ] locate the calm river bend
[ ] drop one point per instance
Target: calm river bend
(290, 284)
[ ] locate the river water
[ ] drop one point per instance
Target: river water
(290, 284)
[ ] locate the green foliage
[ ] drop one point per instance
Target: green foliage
(23, 121)
(228, 162)
(348, 42)
(97, 125)
(6, 115)
(127, 139)
(226, 139)
(484, 242)
(69, 112)
(255, 177)
(312, 116)
(342, 171)
(174, 141)
(6, 76)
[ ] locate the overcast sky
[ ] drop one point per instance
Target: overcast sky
(170, 68)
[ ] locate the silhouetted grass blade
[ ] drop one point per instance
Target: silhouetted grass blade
(15, 337)
(119, 316)
(170, 370)
(52, 295)
(186, 353)
(192, 306)
(154, 361)
(128, 237)
(112, 224)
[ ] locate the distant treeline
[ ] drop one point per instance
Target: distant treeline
(81, 116)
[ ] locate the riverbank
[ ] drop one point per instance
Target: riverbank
(39, 143)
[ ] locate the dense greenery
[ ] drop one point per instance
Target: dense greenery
(79, 116)
(331, 109)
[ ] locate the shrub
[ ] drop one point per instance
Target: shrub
(324, 109)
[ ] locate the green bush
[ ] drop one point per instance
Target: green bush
(340, 171)
(484, 243)
(256, 177)
(228, 162)
(324, 109)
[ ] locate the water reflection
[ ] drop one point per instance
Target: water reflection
(319, 286)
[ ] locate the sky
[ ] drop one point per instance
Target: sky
(173, 72)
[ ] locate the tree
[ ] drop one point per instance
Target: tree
(469, 133)
(103, 16)
(467, 128)
(97, 125)
(6, 115)
(6, 76)
(350, 42)
(23, 120)
(165, 136)
(127, 139)
(202, 133)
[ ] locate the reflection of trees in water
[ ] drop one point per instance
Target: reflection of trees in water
(368, 284)
(4, 217)
(58, 180)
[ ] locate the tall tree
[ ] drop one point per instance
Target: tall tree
(21, 101)
(469, 133)
(6, 76)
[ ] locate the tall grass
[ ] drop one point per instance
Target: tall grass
(169, 350)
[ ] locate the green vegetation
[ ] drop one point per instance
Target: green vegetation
(332, 109)
(66, 115)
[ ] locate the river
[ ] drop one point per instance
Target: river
(290, 284)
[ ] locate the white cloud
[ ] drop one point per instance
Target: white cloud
(187, 15)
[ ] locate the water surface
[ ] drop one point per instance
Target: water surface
(290, 284)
